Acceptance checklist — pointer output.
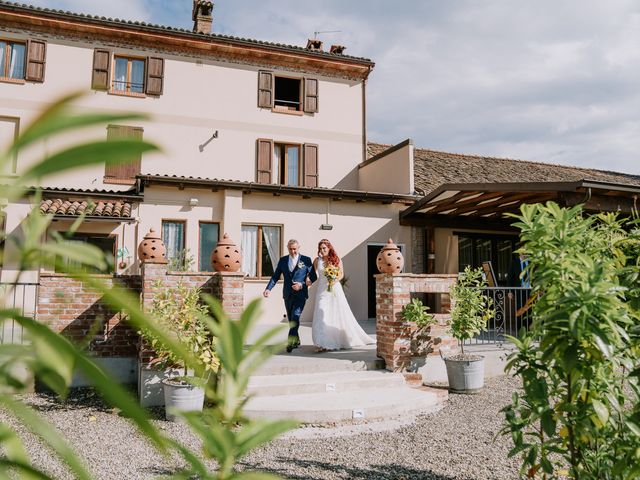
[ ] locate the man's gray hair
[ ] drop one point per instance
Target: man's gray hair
(292, 241)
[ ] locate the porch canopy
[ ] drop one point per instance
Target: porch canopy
(484, 205)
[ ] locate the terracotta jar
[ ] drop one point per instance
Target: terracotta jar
(390, 259)
(226, 256)
(151, 248)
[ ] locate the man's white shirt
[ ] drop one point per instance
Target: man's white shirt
(293, 261)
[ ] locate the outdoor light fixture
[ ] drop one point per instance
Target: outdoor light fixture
(201, 147)
(326, 226)
(193, 202)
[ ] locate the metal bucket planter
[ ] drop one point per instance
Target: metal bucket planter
(181, 396)
(465, 374)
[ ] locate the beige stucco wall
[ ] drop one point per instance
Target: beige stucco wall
(200, 97)
(355, 225)
(391, 173)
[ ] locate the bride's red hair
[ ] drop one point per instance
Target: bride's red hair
(332, 257)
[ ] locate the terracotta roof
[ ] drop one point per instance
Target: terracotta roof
(72, 208)
(168, 29)
(433, 168)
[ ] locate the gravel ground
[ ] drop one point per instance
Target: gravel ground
(457, 442)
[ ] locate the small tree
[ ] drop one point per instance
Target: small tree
(178, 311)
(580, 404)
(472, 308)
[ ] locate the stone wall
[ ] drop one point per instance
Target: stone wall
(74, 309)
(394, 335)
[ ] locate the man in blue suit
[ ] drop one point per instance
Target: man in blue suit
(297, 275)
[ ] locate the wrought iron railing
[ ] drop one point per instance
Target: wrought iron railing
(24, 298)
(512, 307)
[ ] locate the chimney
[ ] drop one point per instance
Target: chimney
(202, 16)
(314, 45)
(337, 49)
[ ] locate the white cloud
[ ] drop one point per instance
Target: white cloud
(551, 80)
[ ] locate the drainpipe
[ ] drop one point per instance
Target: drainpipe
(364, 119)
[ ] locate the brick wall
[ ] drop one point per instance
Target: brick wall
(228, 287)
(417, 248)
(77, 311)
(394, 335)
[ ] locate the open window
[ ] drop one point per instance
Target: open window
(20, 61)
(127, 75)
(287, 94)
(287, 164)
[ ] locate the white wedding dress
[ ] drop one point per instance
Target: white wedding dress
(334, 326)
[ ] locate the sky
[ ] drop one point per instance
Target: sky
(555, 81)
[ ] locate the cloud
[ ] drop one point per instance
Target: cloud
(550, 80)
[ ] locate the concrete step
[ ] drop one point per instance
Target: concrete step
(346, 406)
(341, 381)
(306, 360)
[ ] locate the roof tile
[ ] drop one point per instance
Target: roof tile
(71, 208)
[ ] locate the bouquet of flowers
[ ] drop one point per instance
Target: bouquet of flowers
(332, 272)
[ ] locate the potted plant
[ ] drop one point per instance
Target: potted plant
(417, 313)
(178, 311)
(471, 312)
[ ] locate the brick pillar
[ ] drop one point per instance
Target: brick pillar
(228, 287)
(393, 334)
(150, 274)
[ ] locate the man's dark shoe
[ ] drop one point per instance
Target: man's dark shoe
(290, 348)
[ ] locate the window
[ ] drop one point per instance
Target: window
(474, 249)
(127, 75)
(209, 234)
(286, 164)
(260, 249)
(12, 60)
(9, 129)
(287, 94)
(106, 243)
(123, 173)
(22, 60)
(173, 238)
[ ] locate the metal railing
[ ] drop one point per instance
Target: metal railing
(24, 298)
(512, 307)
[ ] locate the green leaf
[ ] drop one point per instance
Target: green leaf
(601, 410)
(548, 423)
(112, 151)
(260, 432)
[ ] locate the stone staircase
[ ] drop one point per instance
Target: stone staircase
(335, 387)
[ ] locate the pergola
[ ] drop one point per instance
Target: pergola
(484, 205)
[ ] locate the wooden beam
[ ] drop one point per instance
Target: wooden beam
(445, 221)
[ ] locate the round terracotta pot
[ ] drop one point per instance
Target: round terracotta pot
(151, 248)
(390, 259)
(226, 256)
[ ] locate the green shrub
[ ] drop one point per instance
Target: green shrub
(579, 410)
(472, 309)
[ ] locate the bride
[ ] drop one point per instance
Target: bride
(334, 326)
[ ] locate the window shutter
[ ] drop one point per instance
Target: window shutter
(155, 76)
(265, 89)
(101, 69)
(311, 95)
(125, 172)
(36, 60)
(310, 165)
(265, 160)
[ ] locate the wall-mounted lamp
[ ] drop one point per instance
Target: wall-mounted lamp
(326, 226)
(193, 202)
(201, 147)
